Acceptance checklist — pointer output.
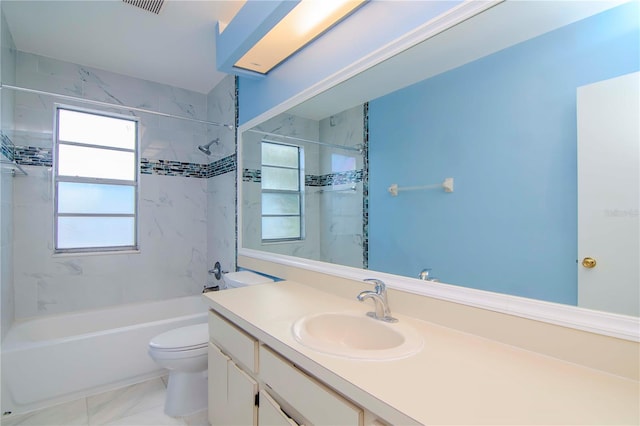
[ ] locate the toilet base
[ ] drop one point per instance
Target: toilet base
(186, 393)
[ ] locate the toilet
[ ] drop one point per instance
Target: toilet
(183, 351)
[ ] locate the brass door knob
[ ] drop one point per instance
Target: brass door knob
(589, 262)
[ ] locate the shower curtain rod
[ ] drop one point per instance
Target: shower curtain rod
(348, 148)
(110, 105)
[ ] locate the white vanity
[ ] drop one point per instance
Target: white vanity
(456, 378)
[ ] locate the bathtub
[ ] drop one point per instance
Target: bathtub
(58, 358)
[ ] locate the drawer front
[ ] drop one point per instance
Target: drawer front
(314, 401)
(270, 413)
(235, 342)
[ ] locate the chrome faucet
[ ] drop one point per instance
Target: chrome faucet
(379, 297)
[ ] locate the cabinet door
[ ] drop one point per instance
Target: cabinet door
(217, 383)
(231, 392)
(270, 413)
(241, 393)
(316, 403)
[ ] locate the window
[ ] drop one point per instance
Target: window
(96, 181)
(342, 163)
(281, 192)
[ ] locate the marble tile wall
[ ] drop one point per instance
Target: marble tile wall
(162, 138)
(171, 261)
(173, 257)
(7, 75)
(342, 210)
(221, 188)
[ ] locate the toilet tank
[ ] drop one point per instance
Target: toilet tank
(244, 279)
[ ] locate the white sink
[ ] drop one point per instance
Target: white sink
(355, 335)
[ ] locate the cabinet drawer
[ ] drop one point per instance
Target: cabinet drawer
(270, 413)
(235, 342)
(311, 399)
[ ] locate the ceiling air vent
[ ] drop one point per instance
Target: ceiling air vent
(148, 5)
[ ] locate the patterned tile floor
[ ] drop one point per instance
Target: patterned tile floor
(141, 404)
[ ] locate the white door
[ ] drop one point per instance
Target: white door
(609, 195)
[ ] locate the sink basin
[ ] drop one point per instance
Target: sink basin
(357, 336)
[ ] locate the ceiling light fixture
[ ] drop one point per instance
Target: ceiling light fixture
(283, 30)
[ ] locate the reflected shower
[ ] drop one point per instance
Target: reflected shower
(205, 148)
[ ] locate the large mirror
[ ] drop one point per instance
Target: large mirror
(511, 105)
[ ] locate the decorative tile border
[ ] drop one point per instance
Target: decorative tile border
(365, 188)
(340, 178)
(172, 168)
(193, 170)
(35, 156)
(252, 175)
(353, 176)
(220, 167)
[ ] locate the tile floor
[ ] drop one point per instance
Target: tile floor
(141, 404)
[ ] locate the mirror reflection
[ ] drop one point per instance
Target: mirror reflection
(313, 210)
(538, 127)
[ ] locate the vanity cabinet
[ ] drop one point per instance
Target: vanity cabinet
(311, 400)
(271, 414)
(250, 384)
(231, 392)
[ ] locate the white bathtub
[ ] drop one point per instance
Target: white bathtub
(59, 358)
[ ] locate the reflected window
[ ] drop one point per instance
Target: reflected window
(282, 192)
(342, 163)
(96, 181)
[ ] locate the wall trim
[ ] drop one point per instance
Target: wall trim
(605, 323)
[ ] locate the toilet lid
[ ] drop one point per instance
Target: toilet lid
(183, 338)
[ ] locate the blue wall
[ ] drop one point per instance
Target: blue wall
(504, 127)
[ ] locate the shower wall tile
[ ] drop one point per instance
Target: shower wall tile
(171, 261)
(342, 230)
(221, 108)
(175, 198)
(221, 213)
(7, 100)
(163, 138)
(221, 185)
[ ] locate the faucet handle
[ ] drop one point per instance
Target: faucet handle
(380, 285)
(217, 271)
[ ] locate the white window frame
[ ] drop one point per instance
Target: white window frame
(57, 178)
(300, 193)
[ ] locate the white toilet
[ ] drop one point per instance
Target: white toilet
(183, 351)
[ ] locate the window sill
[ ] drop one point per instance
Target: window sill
(273, 243)
(95, 253)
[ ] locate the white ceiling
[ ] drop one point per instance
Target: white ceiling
(176, 47)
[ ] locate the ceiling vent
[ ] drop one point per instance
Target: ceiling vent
(148, 5)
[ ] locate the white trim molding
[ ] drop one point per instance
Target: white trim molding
(605, 323)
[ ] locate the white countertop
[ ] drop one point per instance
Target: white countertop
(457, 378)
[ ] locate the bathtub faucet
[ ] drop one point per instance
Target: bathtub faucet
(217, 271)
(211, 287)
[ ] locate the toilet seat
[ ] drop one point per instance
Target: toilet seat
(189, 338)
(168, 355)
